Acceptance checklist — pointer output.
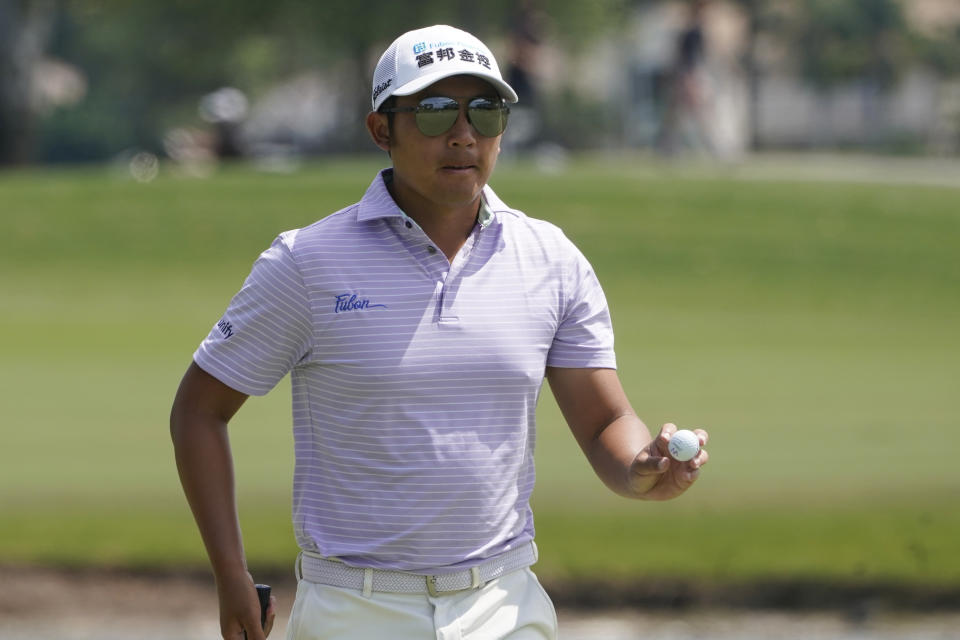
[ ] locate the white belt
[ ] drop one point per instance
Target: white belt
(316, 568)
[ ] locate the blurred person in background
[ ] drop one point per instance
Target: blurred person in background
(688, 100)
(418, 326)
(225, 109)
(527, 34)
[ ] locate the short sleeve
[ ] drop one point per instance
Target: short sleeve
(584, 337)
(266, 329)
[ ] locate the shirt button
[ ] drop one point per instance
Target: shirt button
(431, 249)
(409, 224)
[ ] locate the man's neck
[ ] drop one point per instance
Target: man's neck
(447, 227)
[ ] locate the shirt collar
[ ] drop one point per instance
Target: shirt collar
(485, 216)
(377, 203)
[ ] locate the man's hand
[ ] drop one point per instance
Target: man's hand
(654, 475)
(615, 441)
(240, 609)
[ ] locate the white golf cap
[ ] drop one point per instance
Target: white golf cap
(421, 57)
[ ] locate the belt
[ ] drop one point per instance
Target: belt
(322, 570)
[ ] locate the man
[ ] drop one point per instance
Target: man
(688, 93)
(417, 325)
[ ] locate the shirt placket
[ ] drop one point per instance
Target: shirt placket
(445, 273)
(449, 284)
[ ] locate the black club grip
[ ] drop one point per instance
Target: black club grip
(263, 594)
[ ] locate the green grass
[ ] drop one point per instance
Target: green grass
(811, 327)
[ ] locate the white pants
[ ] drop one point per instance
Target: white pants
(514, 606)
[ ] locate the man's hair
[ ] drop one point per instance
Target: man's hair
(389, 103)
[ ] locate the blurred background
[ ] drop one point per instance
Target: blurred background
(767, 189)
(93, 80)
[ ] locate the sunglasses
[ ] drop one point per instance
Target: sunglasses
(437, 114)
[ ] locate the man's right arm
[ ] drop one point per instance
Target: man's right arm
(198, 426)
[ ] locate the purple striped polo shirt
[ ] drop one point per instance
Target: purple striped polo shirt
(415, 380)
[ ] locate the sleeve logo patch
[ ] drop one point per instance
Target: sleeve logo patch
(225, 328)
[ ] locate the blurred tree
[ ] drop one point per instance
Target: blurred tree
(941, 51)
(863, 42)
(844, 41)
(147, 64)
(24, 32)
(866, 43)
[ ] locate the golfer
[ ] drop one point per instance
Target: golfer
(417, 326)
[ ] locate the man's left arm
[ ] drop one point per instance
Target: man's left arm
(617, 443)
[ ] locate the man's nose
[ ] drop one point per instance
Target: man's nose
(462, 132)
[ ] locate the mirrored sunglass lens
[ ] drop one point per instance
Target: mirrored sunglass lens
(488, 117)
(436, 115)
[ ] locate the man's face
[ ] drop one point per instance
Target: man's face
(447, 171)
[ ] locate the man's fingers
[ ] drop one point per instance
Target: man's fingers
(700, 459)
(667, 431)
(252, 626)
(234, 631)
(255, 633)
(271, 616)
(663, 438)
(646, 464)
(703, 435)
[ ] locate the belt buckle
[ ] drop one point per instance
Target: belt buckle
(432, 586)
(436, 593)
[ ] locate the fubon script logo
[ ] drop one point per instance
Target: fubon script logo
(352, 302)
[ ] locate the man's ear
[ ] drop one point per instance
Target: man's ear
(379, 130)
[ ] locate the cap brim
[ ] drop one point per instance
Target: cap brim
(506, 91)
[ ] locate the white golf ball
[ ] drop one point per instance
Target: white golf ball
(684, 445)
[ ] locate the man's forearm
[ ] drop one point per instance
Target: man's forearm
(204, 462)
(612, 454)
